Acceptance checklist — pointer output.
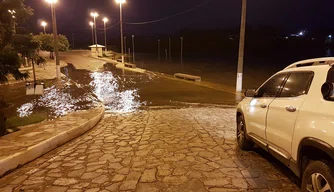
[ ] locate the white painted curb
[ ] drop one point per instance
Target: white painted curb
(33, 152)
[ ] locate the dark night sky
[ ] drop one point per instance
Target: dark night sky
(73, 15)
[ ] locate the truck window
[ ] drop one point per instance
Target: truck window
(272, 86)
(297, 84)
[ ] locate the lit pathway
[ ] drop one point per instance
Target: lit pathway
(182, 150)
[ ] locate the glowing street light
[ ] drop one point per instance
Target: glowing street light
(95, 15)
(120, 2)
(51, 1)
(44, 24)
(105, 20)
(55, 35)
(12, 12)
(92, 25)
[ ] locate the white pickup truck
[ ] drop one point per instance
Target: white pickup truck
(292, 117)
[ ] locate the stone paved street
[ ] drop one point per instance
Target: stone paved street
(191, 149)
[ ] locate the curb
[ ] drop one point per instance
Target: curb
(121, 66)
(33, 152)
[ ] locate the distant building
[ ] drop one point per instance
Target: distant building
(100, 50)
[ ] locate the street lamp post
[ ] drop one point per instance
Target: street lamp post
(170, 49)
(133, 49)
(12, 12)
(44, 24)
(55, 35)
(241, 46)
(105, 20)
(120, 2)
(92, 25)
(158, 49)
(125, 45)
(181, 50)
(95, 15)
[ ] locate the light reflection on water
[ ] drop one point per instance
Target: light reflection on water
(58, 102)
(106, 88)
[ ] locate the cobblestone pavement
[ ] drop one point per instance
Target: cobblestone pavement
(191, 149)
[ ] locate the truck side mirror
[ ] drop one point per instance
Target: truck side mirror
(327, 90)
(250, 93)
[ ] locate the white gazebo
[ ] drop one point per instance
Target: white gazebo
(100, 49)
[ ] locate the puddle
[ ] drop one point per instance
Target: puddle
(120, 91)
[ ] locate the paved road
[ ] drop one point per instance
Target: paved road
(191, 149)
(152, 90)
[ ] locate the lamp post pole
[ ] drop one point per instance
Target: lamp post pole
(241, 46)
(105, 20)
(92, 25)
(170, 49)
(55, 37)
(121, 24)
(95, 15)
(158, 49)
(133, 49)
(181, 49)
(125, 45)
(97, 50)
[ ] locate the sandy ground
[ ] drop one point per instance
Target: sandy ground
(45, 72)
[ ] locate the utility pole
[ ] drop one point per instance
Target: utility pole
(121, 28)
(105, 20)
(92, 25)
(97, 50)
(72, 40)
(241, 46)
(133, 49)
(181, 49)
(125, 44)
(55, 38)
(93, 40)
(105, 38)
(170, 49)
(158, 49)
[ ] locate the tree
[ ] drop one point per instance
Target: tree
(46, 43)
(23, 12)
(9, 64)
(26, 45)
(9, 59)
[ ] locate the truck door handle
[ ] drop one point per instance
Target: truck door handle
(291, 109)
(263, 105)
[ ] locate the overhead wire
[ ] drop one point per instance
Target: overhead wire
(101, 29)
(169, 17)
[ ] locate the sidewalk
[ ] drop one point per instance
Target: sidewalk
(167, 150)
(46, 72)
(35, 140)
(120, 65)
(214, 86)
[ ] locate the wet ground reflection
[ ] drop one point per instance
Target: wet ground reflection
(107, 89)
(59, 102)
(120, 91)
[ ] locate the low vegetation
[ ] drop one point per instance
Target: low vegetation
(14, 123)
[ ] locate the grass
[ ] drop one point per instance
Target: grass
(15, 122)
